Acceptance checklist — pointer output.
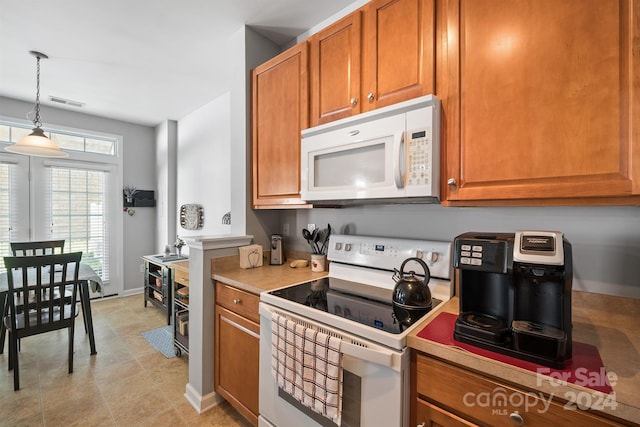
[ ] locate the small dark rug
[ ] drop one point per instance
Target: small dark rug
(161, 339)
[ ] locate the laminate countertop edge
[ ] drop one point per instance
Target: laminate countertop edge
(590, 327)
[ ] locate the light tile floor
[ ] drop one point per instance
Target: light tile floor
(128, 383)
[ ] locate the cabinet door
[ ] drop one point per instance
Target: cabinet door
(280, 112)
(538, 101)
(335, 70)
(398, 51)
(237, 354)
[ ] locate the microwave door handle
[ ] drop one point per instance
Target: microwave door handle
(398, 166)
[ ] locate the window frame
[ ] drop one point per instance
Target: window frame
(79, 159)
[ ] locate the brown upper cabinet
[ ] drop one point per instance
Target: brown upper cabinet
(335, 70)
(377, 56)
(540, 101)
(279, 113)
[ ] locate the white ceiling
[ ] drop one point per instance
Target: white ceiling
(142, 61)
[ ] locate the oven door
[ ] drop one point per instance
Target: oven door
(375, 382)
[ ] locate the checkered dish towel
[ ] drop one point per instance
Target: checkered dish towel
(306, 364)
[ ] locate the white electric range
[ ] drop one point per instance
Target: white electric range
(354, 304)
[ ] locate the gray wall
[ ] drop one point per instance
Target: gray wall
(138, 153)
(605, 240)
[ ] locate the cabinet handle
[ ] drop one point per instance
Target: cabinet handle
(370, 97)
(452, 182)
(516, 418)
(353, 102)
(236, 300)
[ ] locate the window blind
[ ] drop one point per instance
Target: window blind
(7, 209)
(77, 212)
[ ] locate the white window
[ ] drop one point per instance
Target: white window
(77, 213)
(76, 199)
(14, 201)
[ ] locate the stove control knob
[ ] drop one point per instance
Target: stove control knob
(338, 246)
(432, 257)
(419, 254)
(347, 247)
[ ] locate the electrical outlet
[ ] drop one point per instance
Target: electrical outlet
(285, 230)
(311, 227)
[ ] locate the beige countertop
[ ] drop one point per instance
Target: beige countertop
(612, 324)
(265, 278)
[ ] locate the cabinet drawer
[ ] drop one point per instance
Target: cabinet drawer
(181, 273)
(487, 401)
(240, 302)
(181, 277)
(431, 415)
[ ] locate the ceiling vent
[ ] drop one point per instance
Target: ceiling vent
(66, 101)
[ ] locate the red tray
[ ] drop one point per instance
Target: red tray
(584, 369)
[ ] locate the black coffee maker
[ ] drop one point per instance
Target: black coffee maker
(515, 294)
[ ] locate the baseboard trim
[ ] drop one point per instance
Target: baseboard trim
(201, 403)
(129, 292)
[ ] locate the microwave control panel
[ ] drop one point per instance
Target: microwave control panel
(418, 146)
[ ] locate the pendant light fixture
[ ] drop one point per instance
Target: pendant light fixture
(36, 143)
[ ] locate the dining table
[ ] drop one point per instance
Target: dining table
(86, 277)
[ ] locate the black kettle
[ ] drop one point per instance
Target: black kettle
(411, 295)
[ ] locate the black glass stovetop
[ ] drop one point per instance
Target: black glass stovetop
(368, 311)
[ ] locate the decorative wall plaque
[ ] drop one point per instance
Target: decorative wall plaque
(191, 217)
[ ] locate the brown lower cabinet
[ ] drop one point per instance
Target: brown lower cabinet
(450, 396)
(237, 349)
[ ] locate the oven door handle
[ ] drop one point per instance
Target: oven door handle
(381, 357)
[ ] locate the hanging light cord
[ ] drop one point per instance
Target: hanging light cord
(36, 143)
(36, 121)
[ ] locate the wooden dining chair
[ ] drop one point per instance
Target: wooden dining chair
(43, 247)
(34, 307)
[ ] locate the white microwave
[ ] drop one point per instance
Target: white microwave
(389, 155)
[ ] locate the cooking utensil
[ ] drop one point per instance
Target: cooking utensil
(308, 236)
(411, 295)
(325, 240)
(315, 236)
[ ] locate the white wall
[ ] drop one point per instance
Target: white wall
(138, 170)
(166, 165)
(203, 168)
(214, 150)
